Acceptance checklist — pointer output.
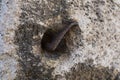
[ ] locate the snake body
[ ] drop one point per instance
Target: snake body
(51, 39)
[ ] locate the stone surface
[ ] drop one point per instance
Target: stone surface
(9, 15)
(92, 48)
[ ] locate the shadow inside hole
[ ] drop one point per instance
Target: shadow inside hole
(61, 49)
(52, 35)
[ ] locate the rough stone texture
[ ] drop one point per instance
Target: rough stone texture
(93, 47)
(87, 72)
(9, 15)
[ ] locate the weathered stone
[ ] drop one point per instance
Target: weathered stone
(92, 50)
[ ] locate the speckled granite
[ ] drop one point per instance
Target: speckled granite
(9, 15)
(92, 48)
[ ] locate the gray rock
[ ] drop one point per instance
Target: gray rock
(88, 51)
